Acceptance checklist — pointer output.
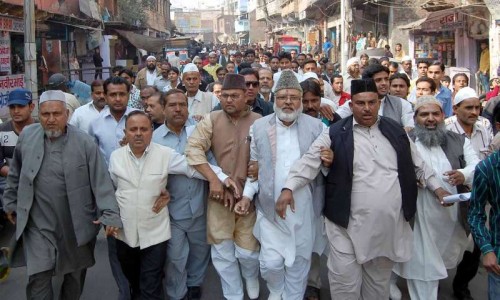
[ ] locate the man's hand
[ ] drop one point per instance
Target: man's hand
(285, 199)
(490, 263)
(198, 118)
(161, 201)
(455, 177)
(326, 112)
(216, 190)
(110, 230)
(123, 141)
(440, 194)
(241, 208)
(232, 187)
(253, 170)
(326, 155)
(11, 216)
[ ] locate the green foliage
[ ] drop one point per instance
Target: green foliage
(132, 11)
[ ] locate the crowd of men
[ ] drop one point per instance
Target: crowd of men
(259, 164)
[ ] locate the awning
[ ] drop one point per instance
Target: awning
(413, 25)
(144, 42)
(77, 25)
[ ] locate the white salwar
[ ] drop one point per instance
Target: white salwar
(287, 244)
(439, 239)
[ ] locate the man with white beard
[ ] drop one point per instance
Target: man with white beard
(440, 234)
(286, 244)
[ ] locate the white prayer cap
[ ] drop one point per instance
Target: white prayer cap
(465, 94)
(406, 58)
(308, 75)
(54, 95)
(190, 68)
(212, 54)
(151, 57)
(351, 61)
(424, 100)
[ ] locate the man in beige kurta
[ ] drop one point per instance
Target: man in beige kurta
(226, 134)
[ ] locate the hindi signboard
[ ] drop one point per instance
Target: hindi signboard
(5, 53)
(10, 24)
(8, 84)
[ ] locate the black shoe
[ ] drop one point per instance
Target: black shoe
(462, 294)
(311, 293)
(194, 293)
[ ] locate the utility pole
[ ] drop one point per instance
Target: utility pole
(346, 17)
(30, 74)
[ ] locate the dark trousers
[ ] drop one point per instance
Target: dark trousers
(98, 73)
(40, 285)
(116, 269)
(467, 269)
(143, 269)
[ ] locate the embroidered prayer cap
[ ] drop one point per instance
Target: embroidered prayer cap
(287, 80)
(363, 86)
(190, 68)
(406, 58)
(465, 94)
(54, 95)
(424, 100)
(308, 75)
(19, 97)
(234, 81)
(351, 61)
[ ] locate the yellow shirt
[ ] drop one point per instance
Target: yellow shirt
(211, 70)
(484, 61)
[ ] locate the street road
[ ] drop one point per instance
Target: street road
(101, 285)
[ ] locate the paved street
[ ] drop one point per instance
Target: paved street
(100, 284)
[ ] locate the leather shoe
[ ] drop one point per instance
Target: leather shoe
(463, 294)
(194, 293)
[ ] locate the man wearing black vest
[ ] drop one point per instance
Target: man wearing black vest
(371, 193)
(395, 108)
(441, 233)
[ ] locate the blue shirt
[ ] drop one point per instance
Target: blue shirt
(444, 96)
(486, 189)
(108, 132)
(187, 195)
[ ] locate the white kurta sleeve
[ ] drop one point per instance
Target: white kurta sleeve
(407, 114)
(344, 110)
(471, 160)
(178, 165)
(251, 187)
(308, 166)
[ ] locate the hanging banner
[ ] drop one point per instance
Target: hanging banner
(8, 84)
(5, 53)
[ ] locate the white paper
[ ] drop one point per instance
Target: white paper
(457, 198)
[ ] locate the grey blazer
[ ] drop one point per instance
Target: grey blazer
(89, 187)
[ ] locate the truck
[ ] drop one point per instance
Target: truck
(287, 43)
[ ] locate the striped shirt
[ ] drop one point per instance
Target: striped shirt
(486, 189)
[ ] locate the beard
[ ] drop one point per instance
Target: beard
(431, 137)
(151, 67)
(265, 89)
(53, 133)
(287, 117)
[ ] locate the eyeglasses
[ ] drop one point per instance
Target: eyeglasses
(291, 98)
(232, 96)
(252, 83)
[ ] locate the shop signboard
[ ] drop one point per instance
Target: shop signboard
(7, 84)
(5, 53)
(10, 24)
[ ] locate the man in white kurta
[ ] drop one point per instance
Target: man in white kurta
(139, 172)
(286, 244)
(439, 238)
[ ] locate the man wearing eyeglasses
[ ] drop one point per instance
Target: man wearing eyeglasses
(252, 96)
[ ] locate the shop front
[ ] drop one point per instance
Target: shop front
(11, 59)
